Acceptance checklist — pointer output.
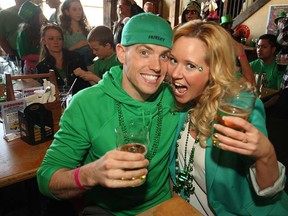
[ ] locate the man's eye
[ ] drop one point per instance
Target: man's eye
(164, 57)
(143, 52)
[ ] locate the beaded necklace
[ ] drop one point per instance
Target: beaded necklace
(184, 178)
(154, 149)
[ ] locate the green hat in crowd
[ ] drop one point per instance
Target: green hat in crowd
(226, 19)
(147, 28)
(280, 16)
(27, 10)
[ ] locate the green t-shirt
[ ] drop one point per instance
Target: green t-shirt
(24, 45)
(9, 22)
(101, 65)
(273, 75)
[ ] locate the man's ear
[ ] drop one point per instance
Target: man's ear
(121, 50)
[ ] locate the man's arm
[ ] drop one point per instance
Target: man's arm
(244, 63)
(108, 171)
(6, 47)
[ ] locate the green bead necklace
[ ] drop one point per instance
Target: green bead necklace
(184, 178)
(154, 148)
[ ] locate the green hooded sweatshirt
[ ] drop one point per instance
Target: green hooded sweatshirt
(87, 132)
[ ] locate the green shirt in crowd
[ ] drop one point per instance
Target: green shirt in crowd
(273, 75)
(103, 65)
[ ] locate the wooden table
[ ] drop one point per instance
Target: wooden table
(19, 160)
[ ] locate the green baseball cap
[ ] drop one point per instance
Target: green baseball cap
(147, 28)
(27, 10)
(280, 16)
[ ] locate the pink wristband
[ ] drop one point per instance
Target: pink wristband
(76, 179)
(243, 55)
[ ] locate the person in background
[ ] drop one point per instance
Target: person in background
(83, 158)
(277, 106)
(9, 22)
(28, 39)
(245, 71)
(54, 4)
(192, 11)
(242, 60)
(227, 23)
(101, 41)
(266, 63)
(279, 20)
(149, 7)
(213, 178)
(62, 61)
(125, 10)
(75, 27)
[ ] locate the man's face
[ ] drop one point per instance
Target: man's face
(149, 7)
(144, 69)
(265, 50)
(99, 50)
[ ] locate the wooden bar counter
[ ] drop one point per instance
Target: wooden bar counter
(19, 160)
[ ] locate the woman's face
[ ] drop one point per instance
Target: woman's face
(75, 11)
(53, 41)
(124, 8)
(188, 69)
(191, 14)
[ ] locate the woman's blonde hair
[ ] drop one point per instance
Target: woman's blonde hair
(220, 58)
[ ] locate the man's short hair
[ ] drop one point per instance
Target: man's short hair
(101, 34)
(272, 39)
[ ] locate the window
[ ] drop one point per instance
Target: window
(92, 9)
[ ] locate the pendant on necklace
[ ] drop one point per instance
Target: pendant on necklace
(184, 181)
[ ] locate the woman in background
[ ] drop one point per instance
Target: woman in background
(75, 28)
(240, 175)
(62, 61)
(125, 10)
(28, 45)
(192, 11)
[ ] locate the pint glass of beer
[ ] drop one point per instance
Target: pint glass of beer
(239, 103)
(134, 138)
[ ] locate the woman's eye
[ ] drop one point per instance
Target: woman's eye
(172, 60)
(191, 66)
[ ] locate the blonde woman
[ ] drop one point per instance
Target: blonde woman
(241, 176)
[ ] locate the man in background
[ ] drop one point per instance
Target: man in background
(149, 7)
(266, 63)
(9, 21)
(56, 5)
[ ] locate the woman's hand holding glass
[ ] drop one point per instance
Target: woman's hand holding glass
(249, 141)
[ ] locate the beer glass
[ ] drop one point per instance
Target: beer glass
(134, 138)
(239, 103)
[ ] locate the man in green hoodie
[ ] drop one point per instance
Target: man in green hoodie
(82, 158)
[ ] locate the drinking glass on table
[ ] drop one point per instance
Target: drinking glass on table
(239, 104)
(134, 138)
